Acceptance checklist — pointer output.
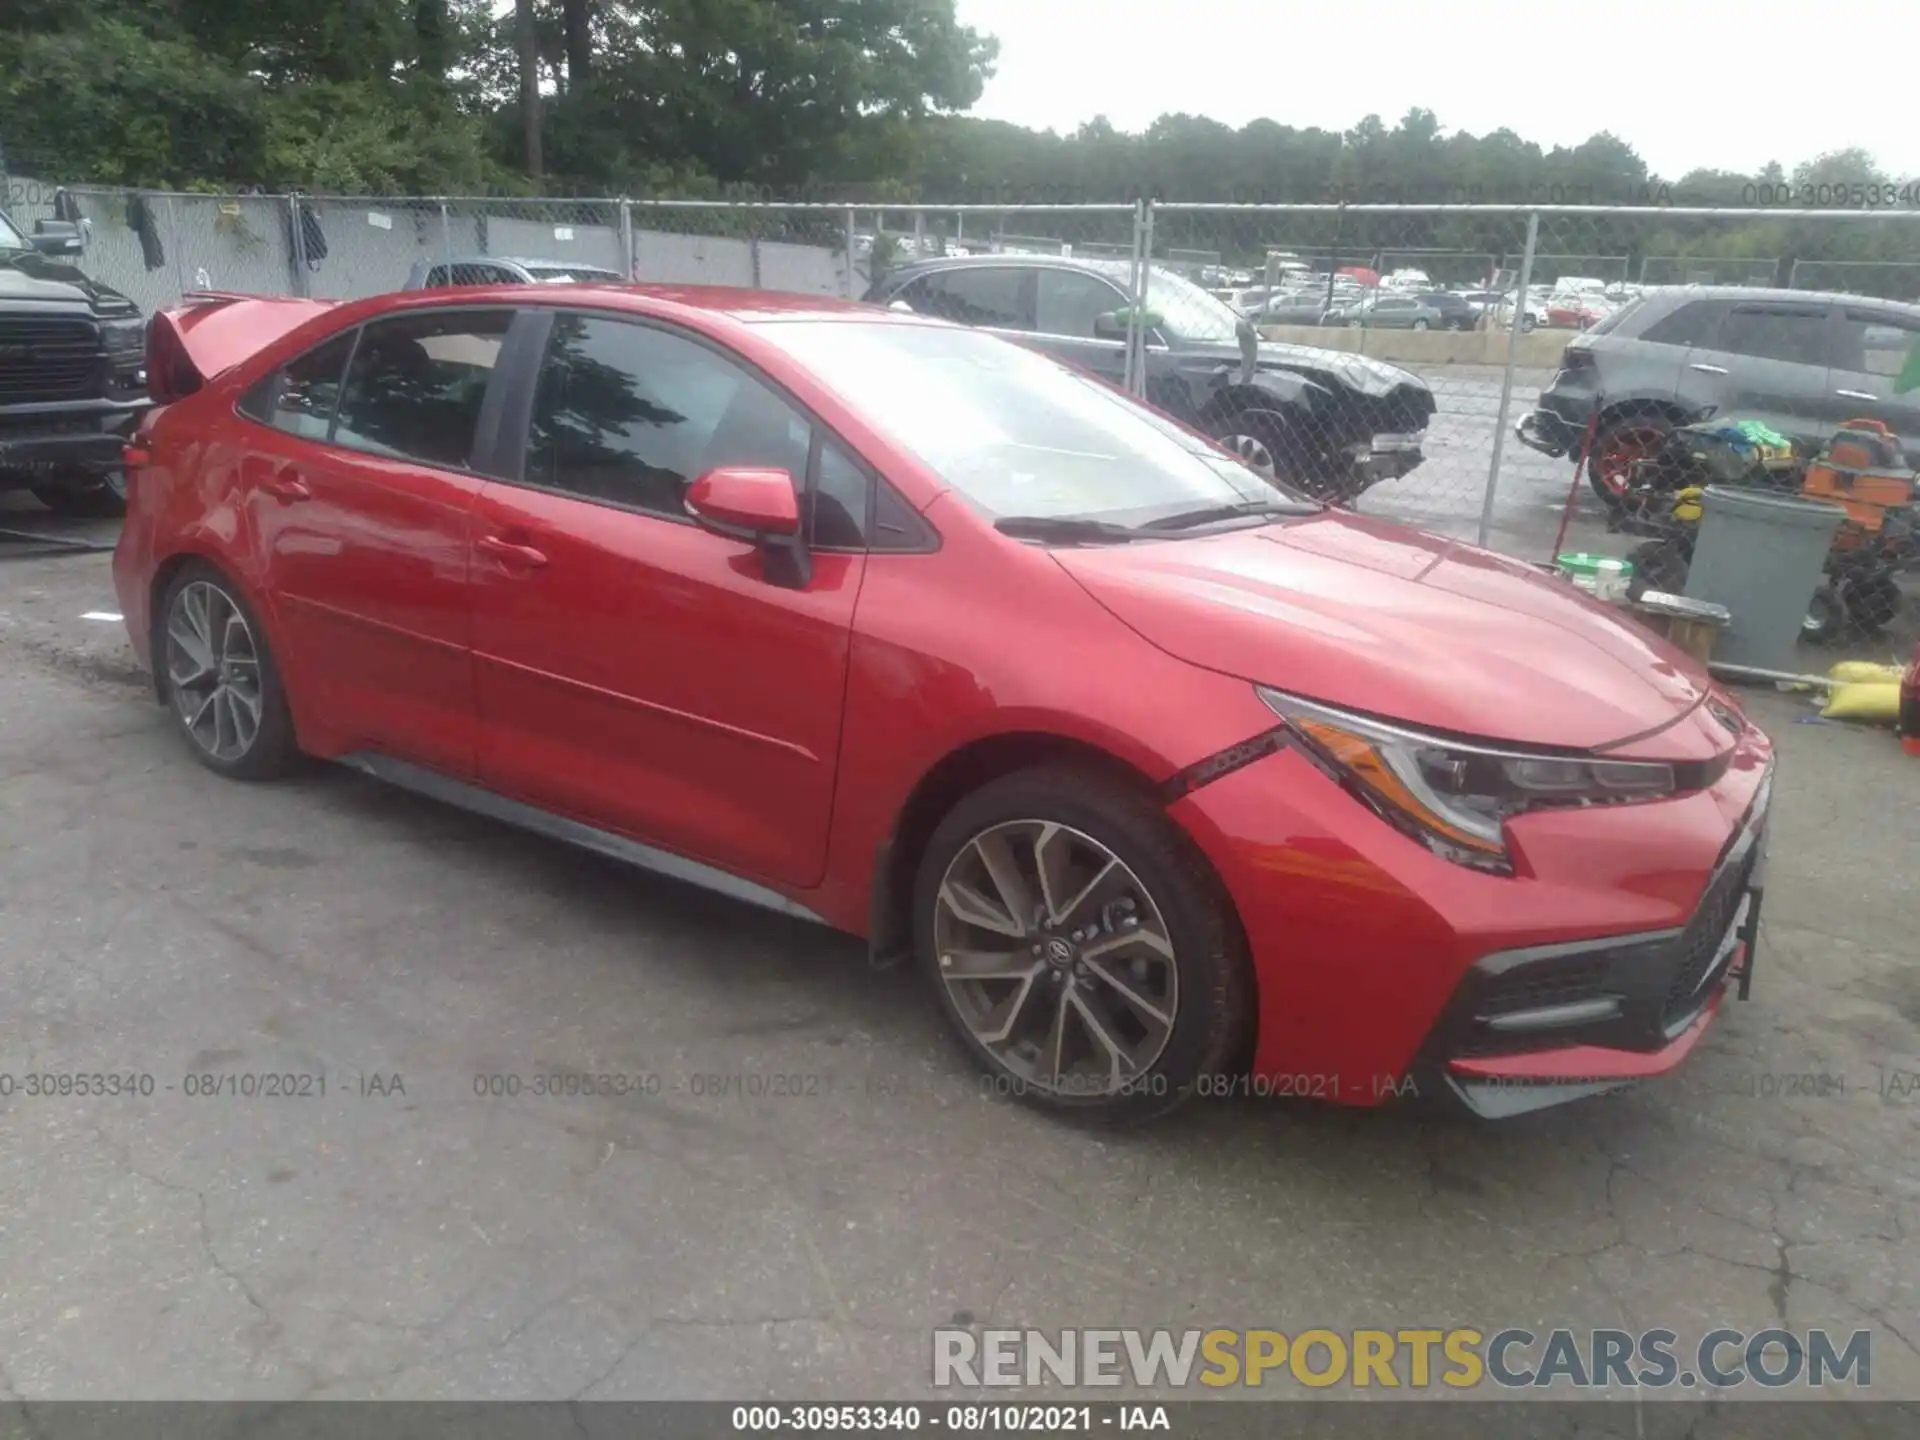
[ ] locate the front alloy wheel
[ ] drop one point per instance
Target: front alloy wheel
(1056, 959)
(1084, 952)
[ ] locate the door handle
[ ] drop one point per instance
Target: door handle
(1855, 395)
(286, 484)
(512, 552)
(1708, 369)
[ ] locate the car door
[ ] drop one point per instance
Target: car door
(1766, 360)
(633, 670)
(1876, 350)
(358, 483)
(1067, 303)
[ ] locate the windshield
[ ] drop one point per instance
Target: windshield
(1187, 312)
(10, 238)
(1018, 434)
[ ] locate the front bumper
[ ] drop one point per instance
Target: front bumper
(1387, 457)
(81, 435)
(1383, 970)
(1548, 433)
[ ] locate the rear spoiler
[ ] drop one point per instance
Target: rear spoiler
(213, 330)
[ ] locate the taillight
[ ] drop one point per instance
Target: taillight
(132, 457)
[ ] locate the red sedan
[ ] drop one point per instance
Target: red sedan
(1165, 777)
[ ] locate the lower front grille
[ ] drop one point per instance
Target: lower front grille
(48, 358)
(1699, 947)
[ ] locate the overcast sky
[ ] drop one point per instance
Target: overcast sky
(1687, 83)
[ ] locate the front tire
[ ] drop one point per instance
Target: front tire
(220, 680)
(1082, 951)
(1267, 443)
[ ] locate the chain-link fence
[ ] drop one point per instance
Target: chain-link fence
(1508, 375)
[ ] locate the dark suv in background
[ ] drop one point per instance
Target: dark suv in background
(73, 377)
(1327, 422)
(1802, 361)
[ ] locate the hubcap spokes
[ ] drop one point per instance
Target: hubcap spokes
(1252, 453)
(213, 671)
(1056, 958)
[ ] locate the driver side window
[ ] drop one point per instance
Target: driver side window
(1070, 301)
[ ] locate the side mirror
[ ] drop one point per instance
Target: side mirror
(57, 237)
(1113, 324)
(760, 506)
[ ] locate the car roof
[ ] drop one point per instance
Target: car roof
(730, 301)
(525, 262)
(1755, 292)
(1098, 264)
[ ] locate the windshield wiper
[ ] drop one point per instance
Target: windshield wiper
(1206, 515)
(1066, 529)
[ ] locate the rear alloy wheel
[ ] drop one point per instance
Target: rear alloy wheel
(1080, 949)
(220, 679)
(1420, 325)
(86, 497)
(1620, 446)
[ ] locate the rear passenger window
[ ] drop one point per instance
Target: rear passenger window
(995, 296)
(300, 398)
(1694, 324)
(1796, 336)
(416, 384)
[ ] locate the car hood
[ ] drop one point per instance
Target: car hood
(29, 277)
(1369, 616)
(1356, 372)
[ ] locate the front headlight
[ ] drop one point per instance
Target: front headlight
(1455, 796)
(123, 337)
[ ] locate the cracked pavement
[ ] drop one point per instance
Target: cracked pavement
(440, 1244)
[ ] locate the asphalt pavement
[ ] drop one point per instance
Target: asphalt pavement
(415, 1232)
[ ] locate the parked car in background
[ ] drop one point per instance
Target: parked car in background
(1329, 422)
(506, 270)
(1159, 774)
(1301, 307)
(1386, 310)
(1533, 313)
(1802, 361)
(73, 373)
(1578, 312)
(1456, 311)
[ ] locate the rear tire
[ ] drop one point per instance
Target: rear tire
(219, 678)
(86, 497)
(1826, 622)
(1616, 446)
(1127, 981)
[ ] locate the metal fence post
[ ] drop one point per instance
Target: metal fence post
(1506, 375)
(297, 251)
(173, 224)
(852, 285)
(626, 235)
(1130, 362)
(1137, 325)
(446, 240)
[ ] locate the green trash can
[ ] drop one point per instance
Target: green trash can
(1760, 555)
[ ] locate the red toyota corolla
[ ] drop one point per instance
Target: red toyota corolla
(1166, 778)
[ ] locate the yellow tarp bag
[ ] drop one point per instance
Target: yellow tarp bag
(1852, 672)
(1876, 701)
